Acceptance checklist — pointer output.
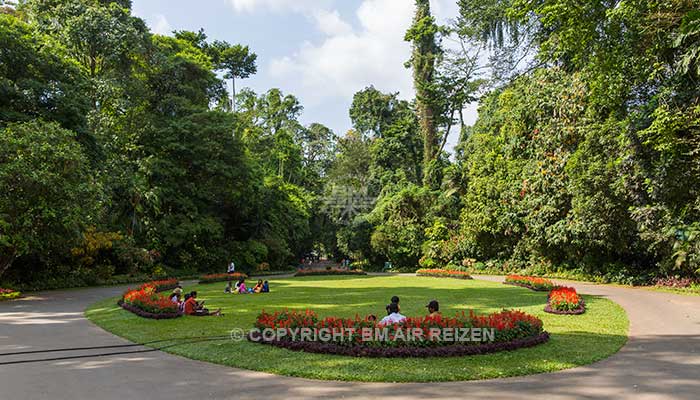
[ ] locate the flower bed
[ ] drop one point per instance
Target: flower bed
(428, 336)
(530, 282)
(213, 278)
(334, 271)
(9, 294)
(409, 352)
(272, 273)
(565, 300)
(145, 314)
(443, 273)
(163, 285)
(145, 301)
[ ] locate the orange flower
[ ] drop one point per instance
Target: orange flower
(564, 299)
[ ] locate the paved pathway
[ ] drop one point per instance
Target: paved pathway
(661, 361)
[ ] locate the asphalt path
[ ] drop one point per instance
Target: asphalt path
(660, 361)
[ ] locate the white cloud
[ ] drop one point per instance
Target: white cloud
(161, 25)
(348, 60)
(275, 5)
(327, 72)
(330, 23)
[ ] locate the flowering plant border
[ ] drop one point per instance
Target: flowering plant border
(562, 294)
(164, 284)
(434, 336)
(214, 278)
(408, 352)
(321, 272)
(147, 302)
(533, 283)
(146, 314)
(9, 294)
(443, 273)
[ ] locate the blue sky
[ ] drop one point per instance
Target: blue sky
(322, 51)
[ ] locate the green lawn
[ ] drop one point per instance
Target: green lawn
(576, 340)
(690, 291)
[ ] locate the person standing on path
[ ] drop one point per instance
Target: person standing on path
(231, 267)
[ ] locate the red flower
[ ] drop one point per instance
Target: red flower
(221, 277)
(508, 325)
(147, 298)
(443, 272)
(531, 282)
(564, 299)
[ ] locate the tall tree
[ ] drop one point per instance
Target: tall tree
(393, 132)
(270, 127)
(237, 61)
(423, 34)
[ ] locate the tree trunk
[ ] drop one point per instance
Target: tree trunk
(426, 118)
(6, 260)
(447, 132)
(233, 97)
(425, 50)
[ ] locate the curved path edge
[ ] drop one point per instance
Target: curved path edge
(661, 360)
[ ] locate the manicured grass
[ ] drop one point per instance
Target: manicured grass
(576, 340)
(683, 291)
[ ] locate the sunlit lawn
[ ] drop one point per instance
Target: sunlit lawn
(576, 340)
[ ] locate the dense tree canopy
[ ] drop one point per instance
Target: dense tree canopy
(177, 181)
(123, 152)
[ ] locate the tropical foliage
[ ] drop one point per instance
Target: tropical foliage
(121, 154)
(588, 118)
(124, 153)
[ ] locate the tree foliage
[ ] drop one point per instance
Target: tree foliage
(47, 190)
(142, 121)
(123, 151)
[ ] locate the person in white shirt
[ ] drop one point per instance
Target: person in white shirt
(231, 267)
(394, 317)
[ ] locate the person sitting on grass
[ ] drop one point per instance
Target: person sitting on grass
(195, 308)
(266, 287)
(258, 287)
(176, 296)
(393, 316)
(394, 300)
(181, 306)
(433, 309)
(241, 286)
(228, 288)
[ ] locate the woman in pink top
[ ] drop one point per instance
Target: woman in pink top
(241, 286)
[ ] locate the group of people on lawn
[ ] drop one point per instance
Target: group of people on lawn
(240, 288)
(394, 316)
(189, 305)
